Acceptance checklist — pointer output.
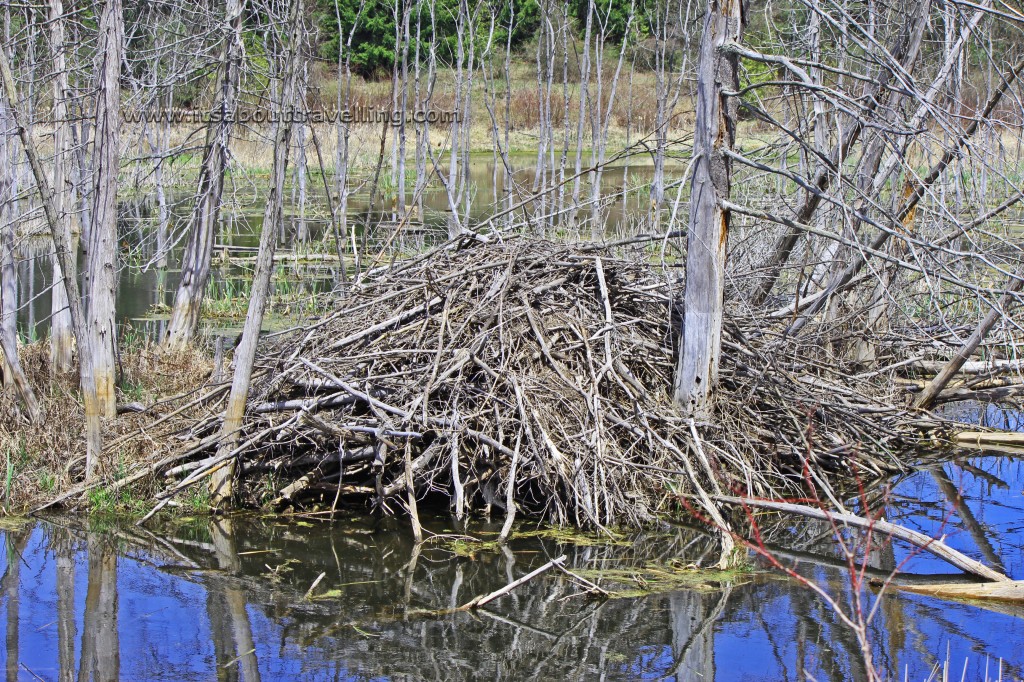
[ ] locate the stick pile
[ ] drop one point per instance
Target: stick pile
(535, 376)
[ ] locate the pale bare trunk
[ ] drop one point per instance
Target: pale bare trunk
(584, 101)
(602, 121)
(403, 104)
(221, 482)
(195, 267)
(13, 374)
(59, 231)
(101, 249)
(61, 335)
(715, 131)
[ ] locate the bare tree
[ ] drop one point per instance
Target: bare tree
(221, 482)
(101, 267)
(195, 269)
(13, 373)
(61, 336)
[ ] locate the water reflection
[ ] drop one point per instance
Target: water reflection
(225, 599)
(225, 606)
(151, 231)
(101, 648)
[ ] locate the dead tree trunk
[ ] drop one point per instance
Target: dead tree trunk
(61, 337)
(904, 54)
(195, 266)
(221, 482)
(715, 133)
(101, 249)
(842, 279)
(14, 375)
(57, 222)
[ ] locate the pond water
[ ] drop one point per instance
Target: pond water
(224, 599)
(151, 255)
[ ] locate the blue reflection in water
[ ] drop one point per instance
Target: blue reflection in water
(223, 599)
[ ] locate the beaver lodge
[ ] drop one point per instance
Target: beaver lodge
(524, 376)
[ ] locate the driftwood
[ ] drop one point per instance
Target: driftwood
(920, 540)
(1008, 439)
(974, 367)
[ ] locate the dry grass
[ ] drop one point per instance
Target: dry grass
(43, 460)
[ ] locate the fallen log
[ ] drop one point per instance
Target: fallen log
(920, 540)
(926, 398)
(933, 367)
(1008, 591)
(1011, 439)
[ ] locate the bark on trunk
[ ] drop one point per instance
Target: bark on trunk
(57, 222)
(697, 370)
(61, 336)
(13, 374)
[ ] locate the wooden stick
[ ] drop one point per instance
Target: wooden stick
(926, 397)
(312, 587)
(931, 545)
(484, 599)
(592, 587)
(395, 321)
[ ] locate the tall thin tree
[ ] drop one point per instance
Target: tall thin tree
(221, 481)
(195, 267)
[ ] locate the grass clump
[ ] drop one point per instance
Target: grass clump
(45, 459)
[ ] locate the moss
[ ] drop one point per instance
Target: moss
(468, 546)
(658, 578)
(573, 536)
(11, 524)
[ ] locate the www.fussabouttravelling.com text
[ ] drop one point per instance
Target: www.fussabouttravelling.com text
(356, 115)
